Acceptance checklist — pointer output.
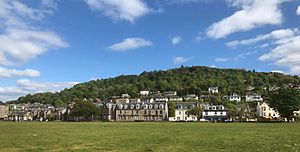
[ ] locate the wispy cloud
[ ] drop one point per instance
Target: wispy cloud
(175, 40)
(220, 59)
(274, 35)
(12, 73)
(128, 10)
(181, 59)
(20, 40)
(298, 10)
(252, 14)
(130, 44)
(25, 86)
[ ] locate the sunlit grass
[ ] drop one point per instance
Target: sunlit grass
(148, 136)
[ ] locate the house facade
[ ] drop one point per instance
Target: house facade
(213, 90)
(215, 113)
(253, 97)
(142, 111)
(181, 112)
(235, 97)
(4, 111)
(191, 97)
(265, 111)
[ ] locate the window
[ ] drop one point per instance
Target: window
(180, 112)
(215, 113)
(206, 113)
(161, 112)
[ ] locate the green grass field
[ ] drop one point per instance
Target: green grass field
(147, 136)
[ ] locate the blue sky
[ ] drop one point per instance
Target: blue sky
(49, 45)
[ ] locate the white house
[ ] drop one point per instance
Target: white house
(144, 93)
(125, 95)
(161, 99)
(170, 93)
(213, 90)
(235, 97)
(175, 98)
(181, 113)
(264, 110)
(136, 100)
(191, 97)
(253, 97)
(214, 113)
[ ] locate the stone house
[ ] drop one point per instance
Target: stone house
(142, 111)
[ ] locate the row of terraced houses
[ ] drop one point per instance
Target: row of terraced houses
(151, 106)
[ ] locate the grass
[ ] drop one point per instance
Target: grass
(148, 136)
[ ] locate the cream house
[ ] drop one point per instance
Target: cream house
(265, 111)
(181, 112)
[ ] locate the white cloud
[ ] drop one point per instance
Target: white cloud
(220, 59)
(285, 54)
(20, 40)
(298, 10)
(12, 73)
(181, 60)
(130, 44)
(274, 35)
(128, 10)
(277, 71)
(25, 86)
(176, 40)
(252, 14)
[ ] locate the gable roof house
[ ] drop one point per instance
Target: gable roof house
(213, 90)
(181, 112)
(265, 111)
(235, 97)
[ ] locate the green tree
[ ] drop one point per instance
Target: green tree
(84, 110)
(171, 109)
(286, 101)
(196, 111)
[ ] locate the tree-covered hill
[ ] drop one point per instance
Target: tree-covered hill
(184, 80)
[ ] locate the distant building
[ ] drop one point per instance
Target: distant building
(4, 111)
(142, 111)
(175, 98)
(253, 97)
(213, 90)
(214, 113)
(191, 97)
(265, 111)
(144, 93)
(235, 97)
(161, 99)
(108, 112)
(181, 112)
(170, 93)
(136, 100)
(125, 95)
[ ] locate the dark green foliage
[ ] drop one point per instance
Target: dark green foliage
(196, 111)
(84, 110)
(171, 109)
(184, 80)
(286, 101)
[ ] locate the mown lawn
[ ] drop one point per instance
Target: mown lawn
(147, 136)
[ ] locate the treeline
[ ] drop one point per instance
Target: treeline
(184, 80)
